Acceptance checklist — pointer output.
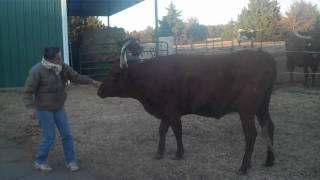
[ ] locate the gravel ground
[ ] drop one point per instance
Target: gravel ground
(117, 139)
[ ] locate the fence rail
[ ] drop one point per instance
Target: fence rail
(97, 62)
(214, 44)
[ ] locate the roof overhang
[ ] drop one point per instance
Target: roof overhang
(98, 7)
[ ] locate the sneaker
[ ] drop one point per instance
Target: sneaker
(73, 166)
(42, 167)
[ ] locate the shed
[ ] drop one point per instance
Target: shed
(27, 26)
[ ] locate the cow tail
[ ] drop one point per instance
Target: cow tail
(270, 86)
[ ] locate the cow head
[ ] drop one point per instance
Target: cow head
(115, 84)
(312, 43)
(130, 45)
(296, 33)
(309, 43)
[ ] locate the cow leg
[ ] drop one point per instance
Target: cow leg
(163, 129)
(291, 65)
(314, 70)
(267, 133)
(291, 69)
(291, 77)
(250, 134)
(177, 129)
(306, 76)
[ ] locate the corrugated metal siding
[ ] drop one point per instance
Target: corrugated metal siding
(27, 26)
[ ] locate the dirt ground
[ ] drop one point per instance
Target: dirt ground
(117, 139)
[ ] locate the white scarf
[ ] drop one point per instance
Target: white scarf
(49, 65)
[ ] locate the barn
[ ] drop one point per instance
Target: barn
(27, 26)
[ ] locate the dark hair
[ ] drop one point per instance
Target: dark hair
(50, 52)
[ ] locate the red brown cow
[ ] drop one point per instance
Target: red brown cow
(210, 85)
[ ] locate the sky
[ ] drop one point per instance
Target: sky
(208, 12)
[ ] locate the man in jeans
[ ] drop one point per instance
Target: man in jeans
(44, 97)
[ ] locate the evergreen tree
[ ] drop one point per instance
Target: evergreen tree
(194, 31)
(229, 31)
(171, 24)
(215, 31)
(261, 15)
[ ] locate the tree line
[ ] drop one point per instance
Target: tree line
(263, 16)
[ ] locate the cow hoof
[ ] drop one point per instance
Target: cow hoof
(176, 158)
(269, 164)
(242, 171)
(158, 156)
(270, 159)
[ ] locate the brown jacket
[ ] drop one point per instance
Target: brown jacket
(45, 90)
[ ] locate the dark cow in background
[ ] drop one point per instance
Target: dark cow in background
(209, 85)
(302, 52)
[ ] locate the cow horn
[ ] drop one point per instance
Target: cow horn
(123, 55)
(123, 59)
(299, 35)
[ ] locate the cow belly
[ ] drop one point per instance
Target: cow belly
(210, 111)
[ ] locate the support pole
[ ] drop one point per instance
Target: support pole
(156, 26)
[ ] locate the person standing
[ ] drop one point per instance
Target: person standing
(44, 97)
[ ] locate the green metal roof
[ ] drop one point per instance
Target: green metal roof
(98, 7)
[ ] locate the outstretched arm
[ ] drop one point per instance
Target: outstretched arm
(75, 77)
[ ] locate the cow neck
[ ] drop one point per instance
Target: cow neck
(134, 82)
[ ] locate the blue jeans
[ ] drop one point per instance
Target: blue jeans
(47, 121)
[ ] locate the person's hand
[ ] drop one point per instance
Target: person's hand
(32, 113)
(96, 83)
